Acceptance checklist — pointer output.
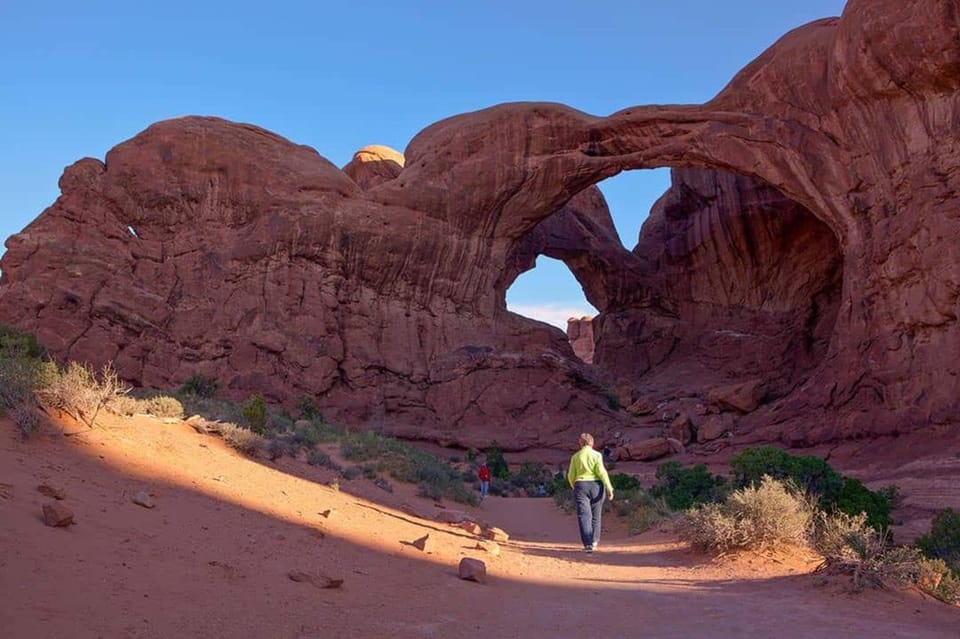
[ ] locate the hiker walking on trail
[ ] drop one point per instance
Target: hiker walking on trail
(484, 476)
(591, 484)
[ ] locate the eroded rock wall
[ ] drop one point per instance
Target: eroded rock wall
(257, 260)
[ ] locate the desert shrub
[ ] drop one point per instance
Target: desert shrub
(369, 471)
(80, 392)
(255, 413)
(241, 439)
(936, 578)
(165, 406)
(367, 446)
(280, 422)
(352, 472)
(200, 385)
(429, 491)
(622, 482)
(125, 405)
(26, 418)
(383, 484)
(850, 545)
(682, 488)
(499, 487)
(816, 477)
(495, 461)
(320, 458)
(943, 540)
(277, 448)
(407, 464)
(21, 369)
(761, 516)
(641, 510)
(856, 498)
(307, 409)
(15, 344)
(530, 476)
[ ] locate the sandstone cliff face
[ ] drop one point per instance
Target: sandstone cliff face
(813, 244)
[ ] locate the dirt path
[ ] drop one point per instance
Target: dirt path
(212, 559)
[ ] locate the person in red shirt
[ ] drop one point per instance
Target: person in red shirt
(484, 476)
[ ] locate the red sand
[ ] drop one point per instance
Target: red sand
(212, 559)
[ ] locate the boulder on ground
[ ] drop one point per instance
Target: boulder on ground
(744, 397)
(473, 570)
(714, 427)
(642, 450)
(681, 429)
(495, 534)
(56, 514)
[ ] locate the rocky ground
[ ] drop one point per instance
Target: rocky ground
(218, 554)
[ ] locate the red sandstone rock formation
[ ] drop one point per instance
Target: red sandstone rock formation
(373, 165)
(827, 265)
(580, 334)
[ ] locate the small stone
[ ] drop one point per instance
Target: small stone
(471, 527)
(143, 499)
(56, 514)
(50, 491)
(495, 534)
(490, 547)
(424, 543)
(473, 570)
(326, 513)
(320, 581)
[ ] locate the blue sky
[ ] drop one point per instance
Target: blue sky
(77, 78)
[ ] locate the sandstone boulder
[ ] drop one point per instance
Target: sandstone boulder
(715, 426)
(57, 515)
(473, 570)
(743, 397)
(643, 450)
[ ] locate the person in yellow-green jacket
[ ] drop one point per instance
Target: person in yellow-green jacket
(591, 484)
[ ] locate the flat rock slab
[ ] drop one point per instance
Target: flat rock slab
(319, 581)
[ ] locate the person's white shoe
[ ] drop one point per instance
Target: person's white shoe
(593, 546)
(588, 549)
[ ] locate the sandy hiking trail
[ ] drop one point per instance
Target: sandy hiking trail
(213, 559)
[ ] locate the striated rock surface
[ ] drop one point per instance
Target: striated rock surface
(580, 334)
(809, 240)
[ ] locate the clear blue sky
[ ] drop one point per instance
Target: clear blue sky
(77, 78)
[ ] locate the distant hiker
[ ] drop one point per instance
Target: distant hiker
(484, 476)
(591, 484)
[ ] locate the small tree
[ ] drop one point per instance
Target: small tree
(255, 412)
(496, 462)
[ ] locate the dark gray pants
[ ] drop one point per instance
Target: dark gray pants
(589, 495)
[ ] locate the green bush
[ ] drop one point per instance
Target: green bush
(683, 488)
(495, 461)
(530, 476)
(622, 482)
(814, 476)
(351, 472)
(255, 412)
(943, 540)
(200, 385)
(307, 409)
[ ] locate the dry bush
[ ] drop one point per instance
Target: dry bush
(125, 405)
(851, 546)
(245, 441)
(165, 406)
(80, 392)
(26, 418)
(765, 516)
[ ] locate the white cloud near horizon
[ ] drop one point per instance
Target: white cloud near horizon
(552, 313)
